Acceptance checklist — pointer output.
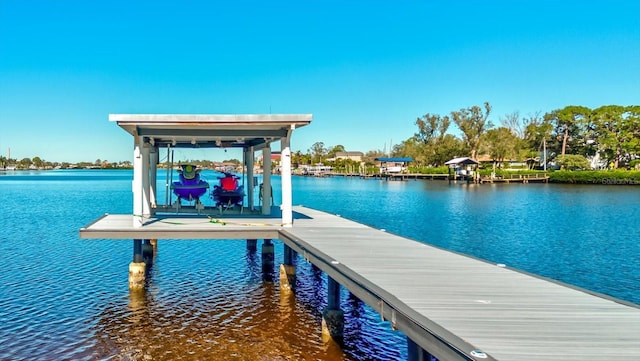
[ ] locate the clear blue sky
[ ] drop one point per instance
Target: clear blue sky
(365, 69)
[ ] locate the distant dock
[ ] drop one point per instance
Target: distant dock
(514, 178)
(392, 176)
(517, 178)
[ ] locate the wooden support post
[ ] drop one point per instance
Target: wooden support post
(252, 245)
(137, 268)
(416, 353)
(332, 315)
(287, 270)
(267, 260)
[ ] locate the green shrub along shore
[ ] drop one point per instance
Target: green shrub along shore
(612, 177)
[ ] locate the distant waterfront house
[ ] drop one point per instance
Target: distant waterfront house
(355, 156)
(227, 167)
(315, 170)
(506, 163)
(275, 157)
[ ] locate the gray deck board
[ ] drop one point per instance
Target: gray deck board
(508, 314)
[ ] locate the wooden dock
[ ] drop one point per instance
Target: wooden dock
(513, 178)
(517, 178)
(390, 176)
(455, 307)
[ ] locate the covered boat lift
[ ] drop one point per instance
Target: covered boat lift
(461, 166)
(397, 165)
(394, 168)
(251, 132)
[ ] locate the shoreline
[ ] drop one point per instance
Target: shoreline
(587, 177)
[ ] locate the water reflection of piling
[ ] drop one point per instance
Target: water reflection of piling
(137, 305)
(326, 293)
(268, 257)
(253, 267)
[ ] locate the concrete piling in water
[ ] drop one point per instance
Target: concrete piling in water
(137, 275)
(137, 268)
(287, 270)
(332, 315)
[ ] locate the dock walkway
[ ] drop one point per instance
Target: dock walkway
(518, 178)
(454, 306)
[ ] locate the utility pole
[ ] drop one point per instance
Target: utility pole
(544, 152)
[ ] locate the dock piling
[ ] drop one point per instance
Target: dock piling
(147, 252)
(267, 260)
(137, 251)
(287, 270)
(137, 268)
(332, 315)
(252, 245)
(416, 353)
(137, 275)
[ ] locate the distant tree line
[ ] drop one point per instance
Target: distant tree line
(39, 163)
(570, 136)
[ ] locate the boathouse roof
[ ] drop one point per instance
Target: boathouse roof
(210, 130)
(461, 161)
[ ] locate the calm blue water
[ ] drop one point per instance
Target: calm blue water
(66, 298)
(584, 235)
